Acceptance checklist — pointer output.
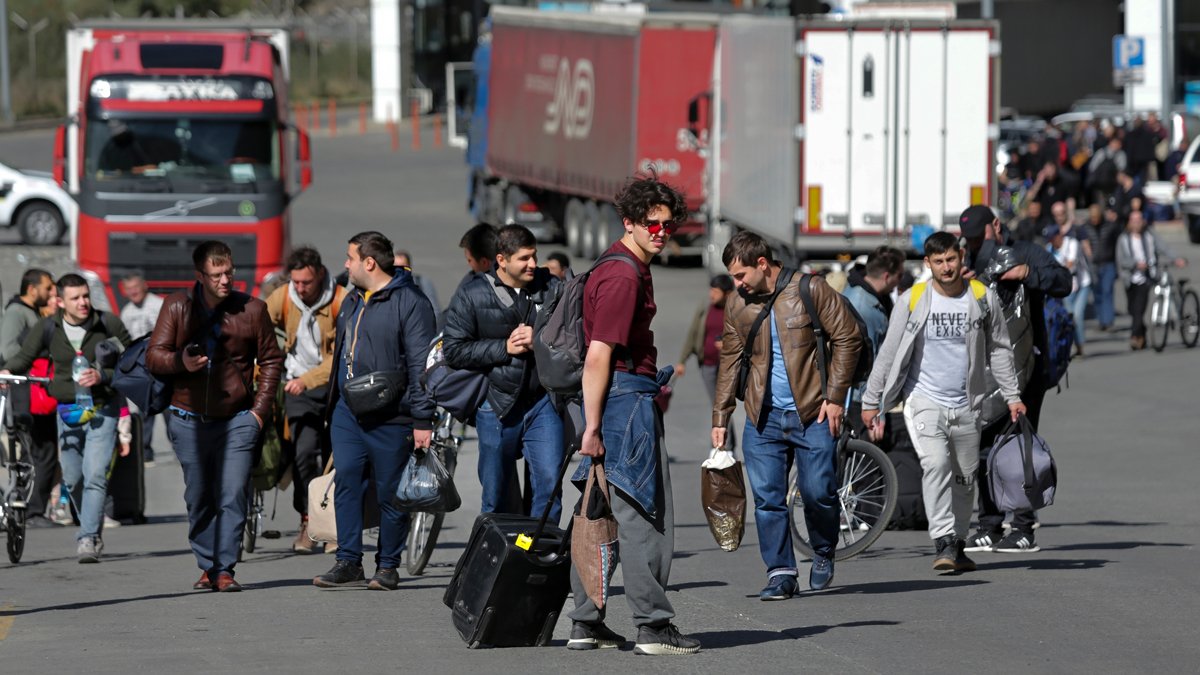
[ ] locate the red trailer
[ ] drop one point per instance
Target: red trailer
(576, 103)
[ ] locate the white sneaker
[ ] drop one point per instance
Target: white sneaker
(89, 549)
(111, 522)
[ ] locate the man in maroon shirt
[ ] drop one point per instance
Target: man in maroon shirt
(620, 380)
(704, 339)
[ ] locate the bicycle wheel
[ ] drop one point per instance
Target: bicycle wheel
(867, 491)
(253, 512)
(1160, 319)
(424, 528)
(14, 524)
(1189, 319)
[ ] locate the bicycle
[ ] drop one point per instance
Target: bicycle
(425, 526)
(254, 519)
(15, 494)
(867, 493)
(1187, 311)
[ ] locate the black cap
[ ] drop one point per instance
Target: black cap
(975, 220)
(723, 282)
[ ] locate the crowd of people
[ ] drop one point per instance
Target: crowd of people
(948, 371)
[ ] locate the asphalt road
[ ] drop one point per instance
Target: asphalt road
(1113, 589)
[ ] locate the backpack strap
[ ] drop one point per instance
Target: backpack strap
(811, 307)
(287, 302)
(918, 289)
(47, 333)
(785, 277)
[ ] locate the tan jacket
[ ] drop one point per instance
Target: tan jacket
(326, 319)
(799, 348)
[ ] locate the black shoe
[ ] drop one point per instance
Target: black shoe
(821, 574)
(38, 522)
(664, 640)
(780, 587)
(961, 562)
(593, 636)
(343, 574)
(983, 540)
(385, 579)
(1017, 542)
(946, 553)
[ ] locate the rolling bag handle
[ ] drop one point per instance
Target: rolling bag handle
(526, 541)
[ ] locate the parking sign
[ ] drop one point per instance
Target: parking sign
(1129, 60)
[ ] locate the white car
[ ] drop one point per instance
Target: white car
(1189, 189)
(34, 204)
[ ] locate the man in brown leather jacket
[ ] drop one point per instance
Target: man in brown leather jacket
(786, 415)
(208, 341)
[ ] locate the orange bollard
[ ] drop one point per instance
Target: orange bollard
(298, 116)
(315, 117)
(333, 118)
(362, 119)
(394, 129)
(437, 131)
(415, 118)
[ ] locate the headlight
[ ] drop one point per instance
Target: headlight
(101, 89)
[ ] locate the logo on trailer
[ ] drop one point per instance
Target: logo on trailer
(818, 82)
(573, 101)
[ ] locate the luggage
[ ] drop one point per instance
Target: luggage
(1021, 472)
(910, 502)
(322, 516)
(460, 392)
(512, 580)
(594, 537)
(132, 378)
(127, 478)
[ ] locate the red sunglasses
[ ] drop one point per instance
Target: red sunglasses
(666, 226)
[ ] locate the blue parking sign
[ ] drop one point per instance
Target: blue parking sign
(1128, 52)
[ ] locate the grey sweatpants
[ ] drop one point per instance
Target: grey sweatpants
(947, 443)
(646, 546)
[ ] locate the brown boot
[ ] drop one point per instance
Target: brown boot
(302, 543)
(1137, 343)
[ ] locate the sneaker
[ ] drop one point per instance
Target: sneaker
(983, 540)
(331, 547)
(1017, 542)
(961, 562)
(110, 522)
(821, 574)
(664, 640)
(593, 636)
(780, 587)
(39, 522)
(61, 514)
(385, 579)
(88, 550)
(946, 553)
(342, 574)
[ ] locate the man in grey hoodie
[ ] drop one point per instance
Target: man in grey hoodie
(942, 336)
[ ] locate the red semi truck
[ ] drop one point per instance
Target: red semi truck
(177, 132)
(574, 105)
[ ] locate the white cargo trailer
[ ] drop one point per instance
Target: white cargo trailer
(839, 136)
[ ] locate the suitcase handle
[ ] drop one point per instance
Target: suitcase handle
(541, 526)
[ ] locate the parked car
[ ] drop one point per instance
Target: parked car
(34, 204)
(1188, 193)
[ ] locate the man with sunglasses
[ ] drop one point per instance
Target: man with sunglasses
(208, 340)
(620, 379)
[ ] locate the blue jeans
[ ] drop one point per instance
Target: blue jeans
(769, 451)
(85, 453)
(1103, 290)
(1077, 304)
(360, 454)
(538, 433)
(216, 456)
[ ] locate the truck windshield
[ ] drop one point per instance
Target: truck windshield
(238, 155)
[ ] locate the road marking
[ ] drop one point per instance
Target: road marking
(6, 622)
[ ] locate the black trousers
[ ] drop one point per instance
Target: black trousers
(308, 450)
(990, 516)
(43, 454)
(1137, 297)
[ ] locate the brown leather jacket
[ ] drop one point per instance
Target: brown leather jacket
(799, 350)
(226, 386)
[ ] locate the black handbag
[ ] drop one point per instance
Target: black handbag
(370, 393)
(743, 376)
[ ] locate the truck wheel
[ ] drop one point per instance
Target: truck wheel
(573, 218)
(1194, 228)
(590, 226)
(40, 224)
(512, 198)
(609, 227)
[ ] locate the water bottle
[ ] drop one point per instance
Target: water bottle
(83, 395)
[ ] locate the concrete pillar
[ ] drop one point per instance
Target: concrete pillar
(387, 94)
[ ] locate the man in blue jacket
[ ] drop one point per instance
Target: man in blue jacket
(385, 326)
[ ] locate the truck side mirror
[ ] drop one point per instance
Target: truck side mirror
(304, 156)
(699, 115)
(60, 155)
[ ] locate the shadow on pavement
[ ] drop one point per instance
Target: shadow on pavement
(98, 603)
(1045, 564)
(1112, 546)
(175, 518)
(909, 586)
(696, 584)
(745, 638)
(1103, 523)
(108, 557)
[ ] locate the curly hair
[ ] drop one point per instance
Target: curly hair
(643, 192)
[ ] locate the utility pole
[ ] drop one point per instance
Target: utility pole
(31, 31)
(6, 112)
(1168, 60)
(987, 10)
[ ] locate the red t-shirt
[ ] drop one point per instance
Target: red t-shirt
(618, 308)
(714, 326)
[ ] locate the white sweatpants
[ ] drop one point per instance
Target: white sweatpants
(947, 442)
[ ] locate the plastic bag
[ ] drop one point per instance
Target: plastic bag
(426, 485)
(723, 496)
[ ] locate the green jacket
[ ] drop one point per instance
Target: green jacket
(101, 326)
(694, 344)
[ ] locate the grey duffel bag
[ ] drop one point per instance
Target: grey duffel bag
(1021, 471)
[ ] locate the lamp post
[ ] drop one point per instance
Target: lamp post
(31, 31)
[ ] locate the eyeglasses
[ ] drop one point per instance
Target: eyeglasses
(219, 275)
(667, 227)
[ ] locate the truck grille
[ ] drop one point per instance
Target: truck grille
(165, 260)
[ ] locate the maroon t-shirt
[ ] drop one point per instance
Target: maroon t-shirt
(714, 325)
(618, 308)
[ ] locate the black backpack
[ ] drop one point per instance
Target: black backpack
(150, 393)
(866, 355)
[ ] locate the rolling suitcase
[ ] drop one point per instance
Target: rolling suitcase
(127, 479)
(512, 580)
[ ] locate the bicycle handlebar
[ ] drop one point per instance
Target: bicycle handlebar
(22, 379)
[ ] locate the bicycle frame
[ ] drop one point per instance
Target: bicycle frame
(1161, 314)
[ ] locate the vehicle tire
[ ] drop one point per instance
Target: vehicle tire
(422, 538)
(573, 224)
(40, 224)
(611, 228)
(1193, 222)
(590, 228)
(511, 196)
(1160, 323)
(1189, 319)
(14, 524)
(867, 492)
(250, 531)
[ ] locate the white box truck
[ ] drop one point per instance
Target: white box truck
(839, 136)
